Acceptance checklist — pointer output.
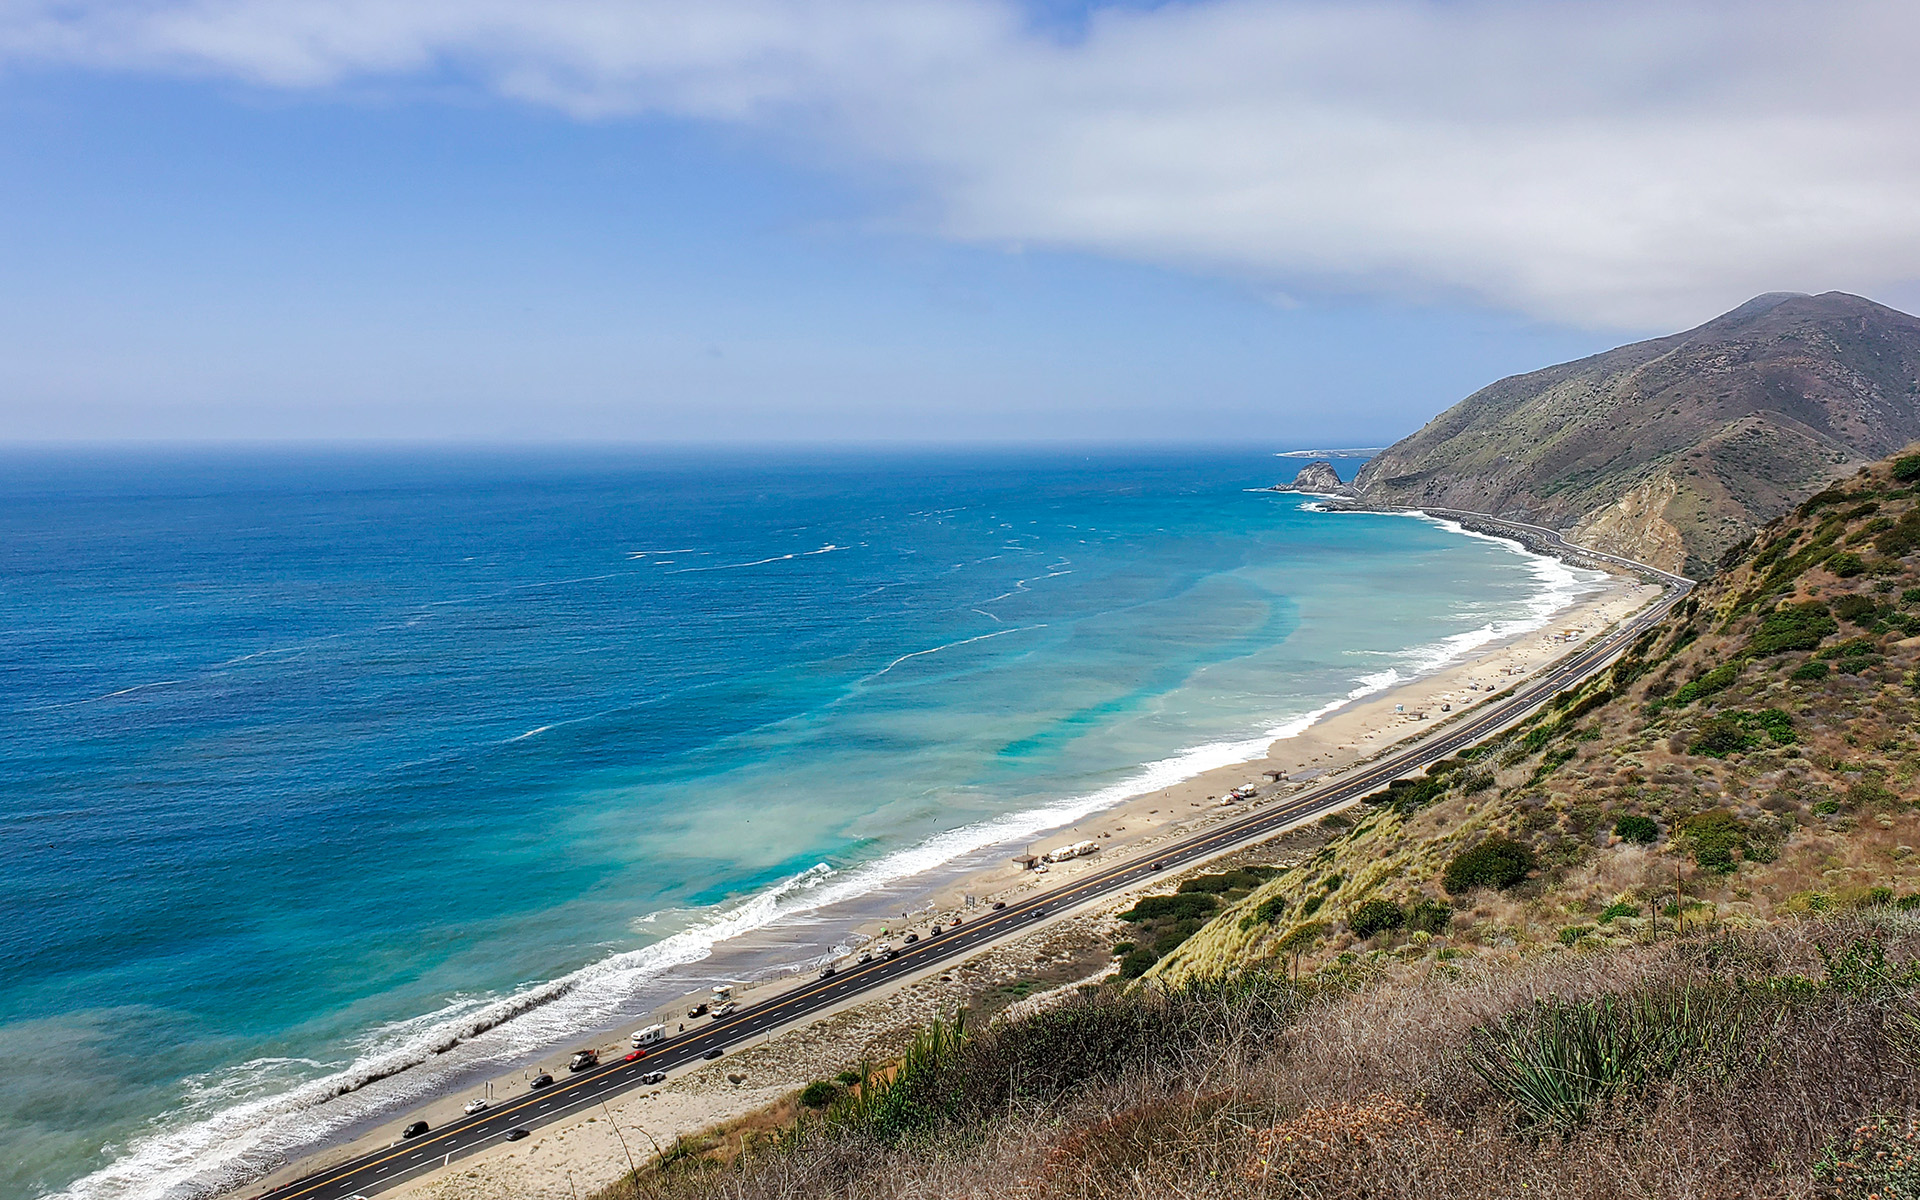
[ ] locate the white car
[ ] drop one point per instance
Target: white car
(474, 1106)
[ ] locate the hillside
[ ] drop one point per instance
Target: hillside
(1676, 449)
(1685, 898)
(1756, 751)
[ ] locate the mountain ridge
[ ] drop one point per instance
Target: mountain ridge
(1675, 449)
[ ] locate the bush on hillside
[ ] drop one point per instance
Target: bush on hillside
(1637, 829)
(1714, 836)
(1722, 735)
(819, 1094)
(1854, 607)
(1181, 907)
(1810, 672)
(1427, 915)
(1847, 564)
(1375, 916)
(1496, 863)
(1717, 680)
(1793, 627)
(1906, 468)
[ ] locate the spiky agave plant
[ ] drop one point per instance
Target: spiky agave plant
(1558, 1060)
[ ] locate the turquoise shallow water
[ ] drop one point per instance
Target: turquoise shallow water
(319, 763)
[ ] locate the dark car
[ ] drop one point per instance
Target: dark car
(1036, 914)
(514, 1135)
(890, 955)
(829, 972)
(1160, 864)
(911, 938)
(414, 1130)
(998, 905)
(716, 1052)
(698, 1010)
(583, 1059)
(541, 1080)
(654, 1077)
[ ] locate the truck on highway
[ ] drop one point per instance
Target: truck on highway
(648, 1036)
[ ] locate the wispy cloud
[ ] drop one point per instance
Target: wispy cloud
(1621, 164)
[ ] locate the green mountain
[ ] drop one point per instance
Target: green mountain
(1675, 450)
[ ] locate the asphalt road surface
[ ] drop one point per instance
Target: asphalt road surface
(385, 1168)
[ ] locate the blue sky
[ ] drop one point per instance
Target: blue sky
(827, 222)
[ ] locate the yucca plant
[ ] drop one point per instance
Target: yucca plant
(1558, 1060)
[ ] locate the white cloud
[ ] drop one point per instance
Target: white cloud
(1630, 164)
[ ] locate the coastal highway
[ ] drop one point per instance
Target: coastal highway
(385, 1168)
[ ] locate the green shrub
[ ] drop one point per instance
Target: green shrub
(1375, 916)
(1427, 915)
(1717, 680)
(1854, 607)
(1240, 879)
(1847, 564)
(1775, 722)
(847, 1078)
(1906, 468)
(1311, 904)
(1496, 863)
(1182, 906)
(1826, 808)
(819, 1093)
(1720, 736)
(1793, 627)
(1811, 671)
(1271, 909)
(1619, 908)
(1407, 796)
(1536, 738)
(1637, 829)
(1135, 964)
(1572, 934)
(1714, 836)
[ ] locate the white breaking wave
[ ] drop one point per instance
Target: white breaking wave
(235, 1144)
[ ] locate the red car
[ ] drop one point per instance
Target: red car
(636, 1056)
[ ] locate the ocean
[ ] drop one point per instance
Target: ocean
(377, 772)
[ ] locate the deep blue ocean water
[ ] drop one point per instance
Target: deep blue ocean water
(312, 758)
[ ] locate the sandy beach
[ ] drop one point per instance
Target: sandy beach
(592, 1148)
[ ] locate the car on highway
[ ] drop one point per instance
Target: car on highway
(889, 955)
(475, 1106)
(514, 1135)
(998, 905)
(911, 938)
(582, 1059)
(1036, 914)
(541, 1080)
(716, 1052)
(1160, 864)
(829, 972)
(635, 1056)
(414, 1130)
(654, 1077)
(866, 958)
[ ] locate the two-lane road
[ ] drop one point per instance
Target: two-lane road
(387, 1167)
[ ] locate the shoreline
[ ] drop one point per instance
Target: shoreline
(1326, 742)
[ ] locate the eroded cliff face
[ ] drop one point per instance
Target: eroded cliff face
(1704, 435)
(1635, 526)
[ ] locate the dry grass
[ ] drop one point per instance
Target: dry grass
(1335, 1093)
